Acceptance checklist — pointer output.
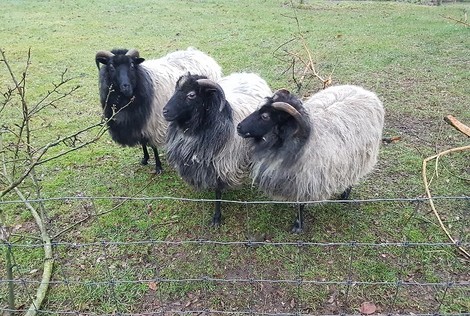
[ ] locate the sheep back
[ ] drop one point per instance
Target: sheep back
(343, 146)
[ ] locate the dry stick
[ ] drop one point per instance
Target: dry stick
(431, 202)
(455, 123)
(458, 21)
(311, 65)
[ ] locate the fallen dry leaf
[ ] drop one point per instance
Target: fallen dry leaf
(368, 308)
(153, 286)
(393, 139)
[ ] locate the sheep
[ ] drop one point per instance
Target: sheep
(310, 151)
(202, 143)
(133, 92)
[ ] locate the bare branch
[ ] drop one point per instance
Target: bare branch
(464, 22)
(300, 63)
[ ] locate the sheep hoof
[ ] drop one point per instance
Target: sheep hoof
(346, 193)
(297, 228)
(158, 170)
(216, 223)
(144, 161)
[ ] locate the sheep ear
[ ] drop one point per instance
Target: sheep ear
(139, 60)
(213, 86)
(281, 93)
(302, 126)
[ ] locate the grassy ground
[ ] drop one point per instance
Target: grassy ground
(411, 55)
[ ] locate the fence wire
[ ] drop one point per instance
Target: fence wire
(395, 269)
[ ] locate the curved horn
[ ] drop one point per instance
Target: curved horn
(133, 53)
(286, 107)
(102, 54)
(207, 83)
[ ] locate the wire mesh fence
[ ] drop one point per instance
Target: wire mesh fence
(379, 256)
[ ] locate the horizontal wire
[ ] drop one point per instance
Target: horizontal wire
(155, 198)
(251, 281)
(247, 243)
(210, 311)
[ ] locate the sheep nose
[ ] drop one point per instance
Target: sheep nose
(126, 89)
(240, 132)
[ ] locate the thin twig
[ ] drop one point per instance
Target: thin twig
(48, 258)
(431, 202)
(71, 226)
(104, 212)
(455, 20)
(308, 71)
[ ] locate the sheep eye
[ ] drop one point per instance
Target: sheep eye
(265, 116)
(191, 95)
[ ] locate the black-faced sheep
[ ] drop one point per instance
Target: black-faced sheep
(133, 93)
(310, 151)
(202, 142)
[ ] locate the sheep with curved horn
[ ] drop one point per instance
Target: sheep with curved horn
(202, 142)
(310, 151)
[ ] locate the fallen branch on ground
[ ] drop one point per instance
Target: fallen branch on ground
(431, 202)
(457, 125)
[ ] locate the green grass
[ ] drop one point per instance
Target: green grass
(413, 57)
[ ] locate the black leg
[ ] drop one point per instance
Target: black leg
(345, 194)
(158, 163)
(146, 157)
(298, 226)
(217, 218)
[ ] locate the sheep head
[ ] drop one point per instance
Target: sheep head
(194, 96)
(120, 68)
(281, 116)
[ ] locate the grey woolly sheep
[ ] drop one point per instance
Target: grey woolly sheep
(310, 151)
(202, 143)
(133, 93)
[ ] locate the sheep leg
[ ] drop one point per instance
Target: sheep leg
(146, 157)
(158, 163)
(298, 226)
(216, 219)
(345, 194)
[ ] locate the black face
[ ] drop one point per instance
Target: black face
(258, 123)
(122, 72)
(270, 120)
(186, 99)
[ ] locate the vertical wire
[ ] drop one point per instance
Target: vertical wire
(300, 246)
(250, 253)
(11, 284)
(349, 281)
(111, 281)
(56, 252)
(22, 281)
(158, 281)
